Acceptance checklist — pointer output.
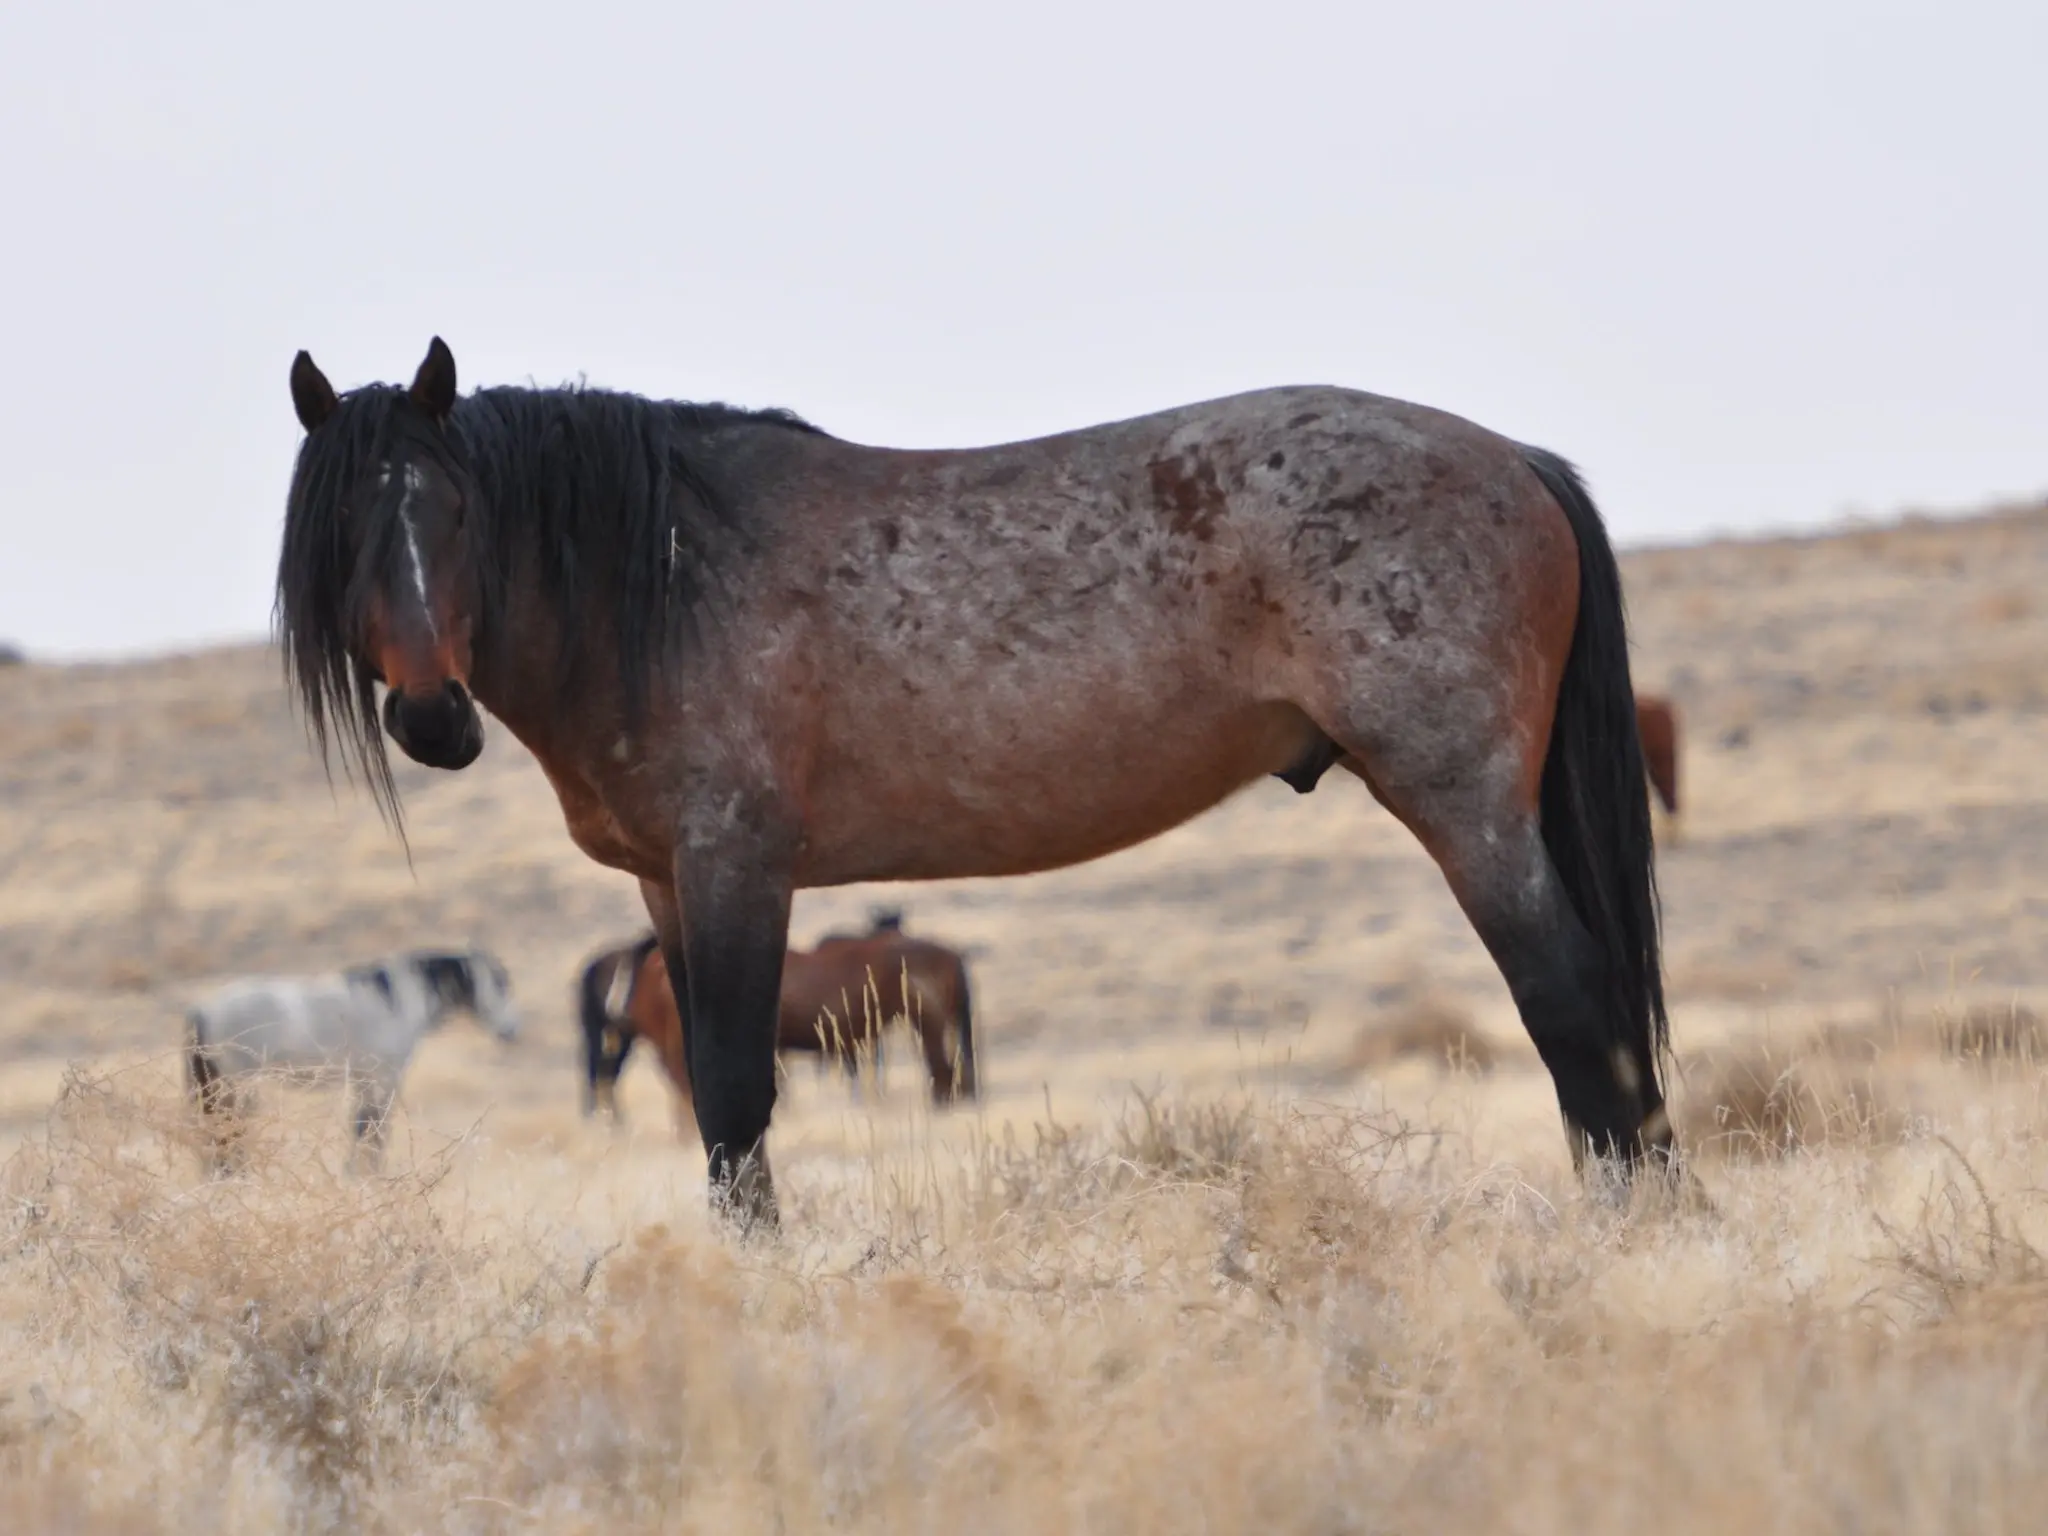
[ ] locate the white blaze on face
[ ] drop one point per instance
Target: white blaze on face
(414, 481)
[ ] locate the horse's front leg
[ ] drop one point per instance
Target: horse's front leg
(733, 883)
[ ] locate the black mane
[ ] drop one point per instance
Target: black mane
(448, 977)
(371, 976)
(609, 502)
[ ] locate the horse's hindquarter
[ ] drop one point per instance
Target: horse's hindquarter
(861, 983)
(1022, 657)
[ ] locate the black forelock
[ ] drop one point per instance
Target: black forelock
(319, 584)
(606, 500)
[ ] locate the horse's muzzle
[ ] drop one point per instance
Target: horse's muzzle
(440, 730)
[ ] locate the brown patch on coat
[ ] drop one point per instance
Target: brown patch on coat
(1188, 492)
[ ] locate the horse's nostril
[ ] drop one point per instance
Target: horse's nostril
(428, 723)
(438, 727)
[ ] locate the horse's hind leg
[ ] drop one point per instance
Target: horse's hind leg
(371, 1107)
(218, 1109)
(940, 1037)
(1459, 774)
(1491, 850)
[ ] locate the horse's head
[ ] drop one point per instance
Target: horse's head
(469, 981)
(494, 997)
(378, 581)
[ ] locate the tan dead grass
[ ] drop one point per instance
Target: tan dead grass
(1757, 1100)
(2006, 605)
(1221, 1316)
(1990, 1032)
(1430, 1026)
(312, 1335)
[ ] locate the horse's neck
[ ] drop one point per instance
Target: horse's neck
(413, 1006)
(520, 696)
(519, 678)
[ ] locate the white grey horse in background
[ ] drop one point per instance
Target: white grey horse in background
(360, 1025)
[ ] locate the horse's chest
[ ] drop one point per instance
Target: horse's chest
(597, 832)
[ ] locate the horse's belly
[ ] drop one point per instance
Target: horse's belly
(923, 802)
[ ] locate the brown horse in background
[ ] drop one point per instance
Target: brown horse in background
(836, 1001)
(754, 659)
(1657, 724)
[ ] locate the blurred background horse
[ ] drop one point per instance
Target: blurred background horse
(361, 1024)
(1657, 725)
(837, 1000)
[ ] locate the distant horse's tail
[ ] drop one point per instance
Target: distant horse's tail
(966, 1078)
(1596, 796)
(603, 995)
(590, 1013)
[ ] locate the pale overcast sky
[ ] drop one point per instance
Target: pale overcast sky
(1752, 265)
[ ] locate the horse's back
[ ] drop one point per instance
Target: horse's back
(1105, 447)
(870, 981)
(878, 965)
(294, 1022)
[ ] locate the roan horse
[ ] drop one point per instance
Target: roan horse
(752, 658)
(360, 1024)
(836, 1001)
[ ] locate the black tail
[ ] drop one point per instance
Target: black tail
(969, 1077)
(1596, 794)
(602, 1066)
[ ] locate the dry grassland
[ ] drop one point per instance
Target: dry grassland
(1264, 1224)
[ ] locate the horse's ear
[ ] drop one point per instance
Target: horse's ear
(433, 387)
(312, 396)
